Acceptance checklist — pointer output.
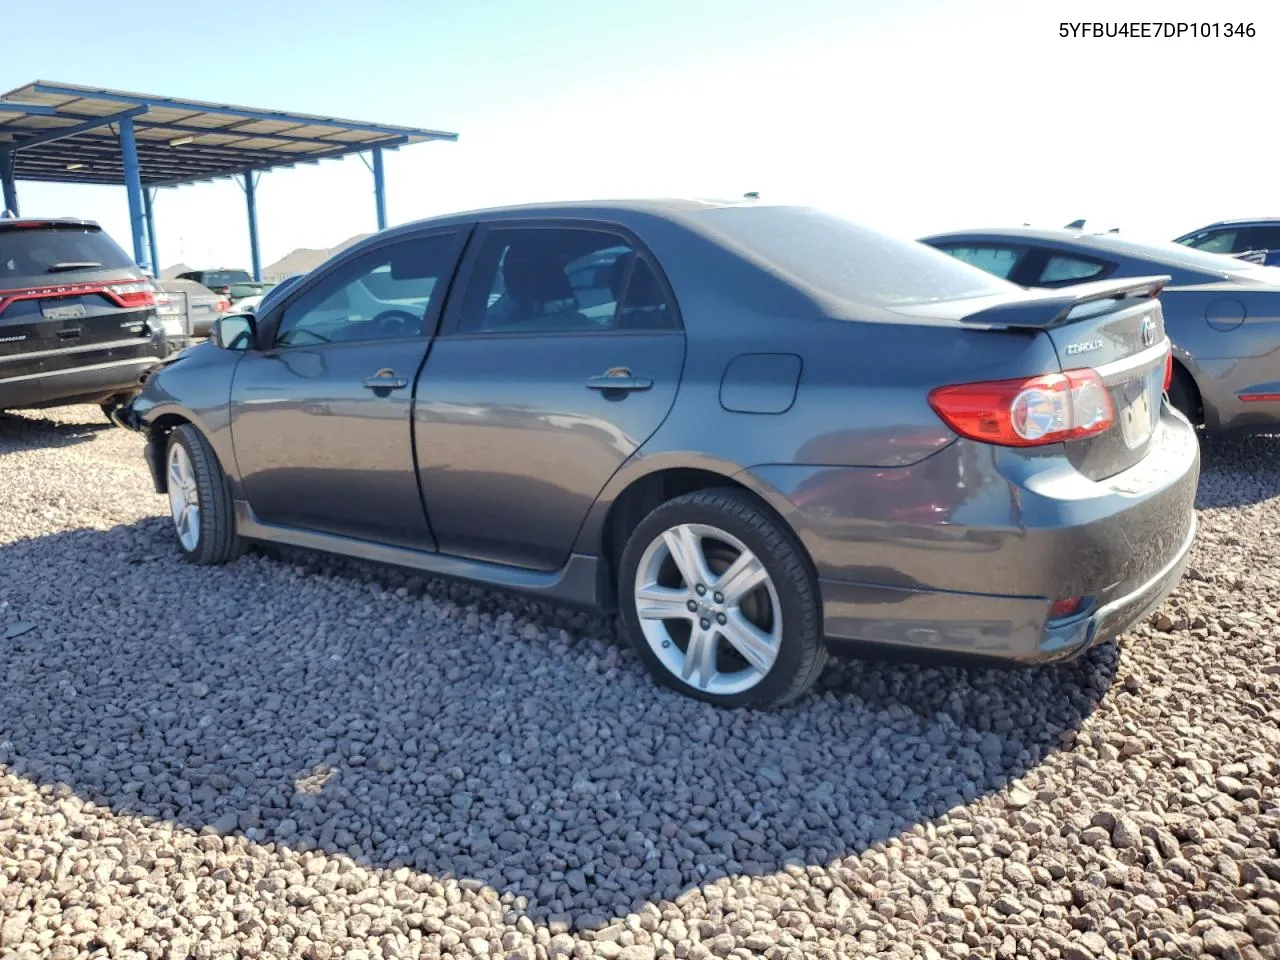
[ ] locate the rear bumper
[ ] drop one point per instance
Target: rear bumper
(91, 382)
(985, 626)
(965, 553)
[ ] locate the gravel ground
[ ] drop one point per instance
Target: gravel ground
(299, 757)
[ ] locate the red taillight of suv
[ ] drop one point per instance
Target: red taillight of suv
(132, 293)
(1027, 413)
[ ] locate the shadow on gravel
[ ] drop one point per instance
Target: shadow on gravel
(1238, 471)
(330, 706)
(29, 430)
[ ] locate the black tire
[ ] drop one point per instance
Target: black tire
(217, 542)
(1184, 396)
(802, 652)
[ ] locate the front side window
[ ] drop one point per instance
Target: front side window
(1064, 269)
(560, 280)
(385, 294)
(998, 261)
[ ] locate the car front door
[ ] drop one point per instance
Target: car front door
(321, 414)
(559, 358)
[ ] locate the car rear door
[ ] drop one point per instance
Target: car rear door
(560, 357)
(321, 407)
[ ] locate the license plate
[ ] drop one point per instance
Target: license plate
(1140, 412)
(65, 311)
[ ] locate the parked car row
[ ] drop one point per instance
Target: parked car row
(761, 434)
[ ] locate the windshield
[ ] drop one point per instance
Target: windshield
(846, 260)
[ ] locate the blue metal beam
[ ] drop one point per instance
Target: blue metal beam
(133, 187)
(379, 189)
(8, 106)
(230, 111)
(61, 133)
(7, 185)
(251, 203)
(152, 245)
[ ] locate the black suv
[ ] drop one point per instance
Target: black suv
(77, 316)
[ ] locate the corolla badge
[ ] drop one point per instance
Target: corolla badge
(1084, 346)
(1148, 332)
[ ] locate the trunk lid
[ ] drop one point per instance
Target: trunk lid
(1114, 327)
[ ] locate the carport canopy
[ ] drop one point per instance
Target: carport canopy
(62, 133)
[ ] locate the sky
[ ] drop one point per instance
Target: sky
(912, 117)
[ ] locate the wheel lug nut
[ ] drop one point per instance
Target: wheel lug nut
(719, 598)
(701, 590)
(705, 624)
(721, 619)
(693, 606)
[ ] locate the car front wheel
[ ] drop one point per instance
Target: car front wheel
(719, 602)
(200, 499)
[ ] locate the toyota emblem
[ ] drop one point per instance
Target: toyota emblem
(1148, 332)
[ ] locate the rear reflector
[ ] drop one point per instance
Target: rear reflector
(1065, 607)
(1259, 397)
(1168, 372)
(1027, 413)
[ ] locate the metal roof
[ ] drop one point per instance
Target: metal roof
(63, 133)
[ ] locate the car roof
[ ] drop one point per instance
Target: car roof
(674, 209)
(1240, 222)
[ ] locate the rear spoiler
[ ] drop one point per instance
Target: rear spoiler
(1049, 308)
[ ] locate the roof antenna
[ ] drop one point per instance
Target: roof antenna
(1075, 225)
(753, 195)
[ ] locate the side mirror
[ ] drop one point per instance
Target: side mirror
(234, 331)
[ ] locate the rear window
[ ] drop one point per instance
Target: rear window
(224, 278)
(36, 254)
(843, 259)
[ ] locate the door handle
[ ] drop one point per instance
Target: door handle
(386, 380)
(619, 378)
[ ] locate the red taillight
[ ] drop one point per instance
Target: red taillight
(1027, 413)
(1168, 372)
(132, 293)
(222, 305)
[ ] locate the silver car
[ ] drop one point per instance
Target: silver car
(1222, 313)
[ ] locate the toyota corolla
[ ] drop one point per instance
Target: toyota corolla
(759, 433)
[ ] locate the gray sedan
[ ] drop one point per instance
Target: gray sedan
(760, 433)
(1223, 314)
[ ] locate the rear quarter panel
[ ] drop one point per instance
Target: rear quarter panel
(861, 399)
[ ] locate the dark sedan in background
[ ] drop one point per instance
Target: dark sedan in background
(1255, 240)
(759, 432)
(1222, 314)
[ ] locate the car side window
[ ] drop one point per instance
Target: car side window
(1220, 241)
(1260, 238)
(385, 294)
(1060, 268)
(994, 259)
(560, 280)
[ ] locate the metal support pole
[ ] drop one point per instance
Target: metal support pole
(251, 205)
(147, 200)
(379, 189)
(133, 186)
(7, 181)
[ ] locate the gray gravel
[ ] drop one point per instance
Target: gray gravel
(301, 757)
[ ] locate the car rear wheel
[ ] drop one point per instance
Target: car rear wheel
(200, 500)
(1184, 396)
(719, 602)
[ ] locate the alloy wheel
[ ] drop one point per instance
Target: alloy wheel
(184, 497)
(708, 609)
